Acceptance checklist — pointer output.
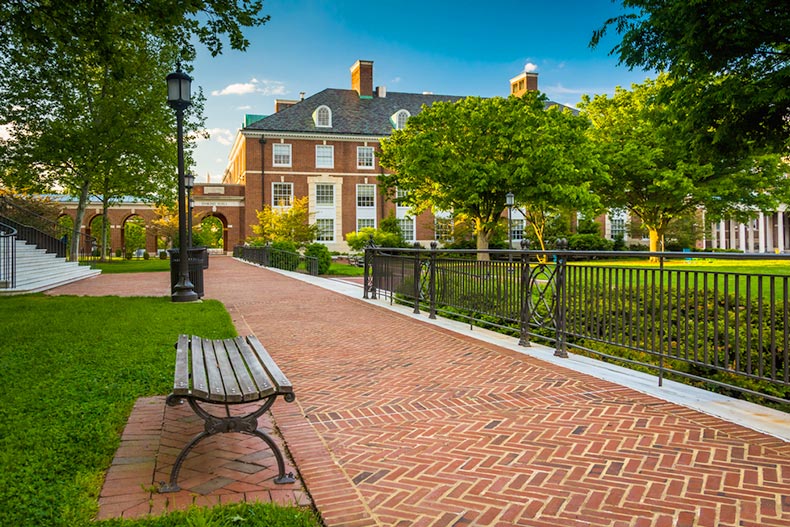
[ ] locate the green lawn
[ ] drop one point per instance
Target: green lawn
(73, 368)
(118, 265)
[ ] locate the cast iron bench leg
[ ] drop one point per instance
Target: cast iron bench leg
(246, 424)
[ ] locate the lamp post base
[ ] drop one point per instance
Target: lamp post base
(184, 292)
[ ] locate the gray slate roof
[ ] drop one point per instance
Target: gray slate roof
(351, 114)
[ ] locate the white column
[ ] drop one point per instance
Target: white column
(761, 232)
(750, 236)
(780, 219)
(742, 235)
(722, 235)
(731, 224)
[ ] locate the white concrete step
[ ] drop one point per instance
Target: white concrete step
(37, 270)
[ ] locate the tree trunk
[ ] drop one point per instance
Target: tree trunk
(76, 239)
(482, 245)
(105, 215)
(654, 242)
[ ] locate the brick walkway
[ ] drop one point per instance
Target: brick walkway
(398, 422)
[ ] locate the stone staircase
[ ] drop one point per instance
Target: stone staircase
(37, 270)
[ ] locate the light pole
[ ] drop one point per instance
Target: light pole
(189, 182)
(179, 99)
(510, 200)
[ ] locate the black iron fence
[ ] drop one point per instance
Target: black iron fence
(7, 256)
(718, 320)
(270, 257)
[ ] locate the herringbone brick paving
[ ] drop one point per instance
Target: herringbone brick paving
(433, 428)
(398, 422)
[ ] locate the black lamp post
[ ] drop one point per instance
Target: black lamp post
(179, 99)
(510, 200)
(189, 182)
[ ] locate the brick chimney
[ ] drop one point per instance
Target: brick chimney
(362, 78)
(521, 84)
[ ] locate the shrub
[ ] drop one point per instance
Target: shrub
(146, 256)
(319, 251)
(118, 253)
(589, 242)
(163, 255)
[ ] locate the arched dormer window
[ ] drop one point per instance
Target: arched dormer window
(323, 117)
(399, 119)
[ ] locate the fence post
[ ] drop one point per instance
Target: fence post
(416, 280)
(369, 272)
(432, 281)
(559, 301)
(525, 292)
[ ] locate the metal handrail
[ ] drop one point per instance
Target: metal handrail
(51, 242)
(268, 256)
(7, 256)
(708, 326)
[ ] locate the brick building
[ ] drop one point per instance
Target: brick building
(324, 147)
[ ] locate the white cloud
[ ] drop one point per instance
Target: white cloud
(222, 136)
(265, 87)
(529, 67)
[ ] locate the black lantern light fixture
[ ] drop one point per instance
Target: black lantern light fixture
(510, 200)
(179, 98)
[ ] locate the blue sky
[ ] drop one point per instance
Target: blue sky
(446, 47)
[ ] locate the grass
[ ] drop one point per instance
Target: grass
(338, 269)
(118, 265)
(73, 368)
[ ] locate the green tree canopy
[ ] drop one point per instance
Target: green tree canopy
(659, 173)
(465, 157)
(82, 90)
(731, 62)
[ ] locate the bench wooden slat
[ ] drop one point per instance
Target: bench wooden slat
(216, 388)
(248, 389)
(199, 382)
(279, 379)
(232, 390)
(181, 382)
(262, 381)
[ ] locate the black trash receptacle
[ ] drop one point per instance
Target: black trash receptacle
(197, 260)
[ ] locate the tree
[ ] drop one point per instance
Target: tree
(730, 61)
(82, 89)
(659, 172)
(281, 224)
(465, 157)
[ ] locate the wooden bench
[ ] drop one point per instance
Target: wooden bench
(227, 372)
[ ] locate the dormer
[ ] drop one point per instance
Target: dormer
(322, 117)
(399, 118)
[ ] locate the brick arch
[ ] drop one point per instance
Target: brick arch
(224, 220)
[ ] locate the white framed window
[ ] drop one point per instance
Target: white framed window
(326, 229)
(325, 195)
(324, 156)
(282, 194)
(323, 117)
(365, 157)
(400, 195)
(399, 119)
(616, 227)
(363, 223)
(407, 228)
(281, 155)
(516, 229)
(366, 196)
